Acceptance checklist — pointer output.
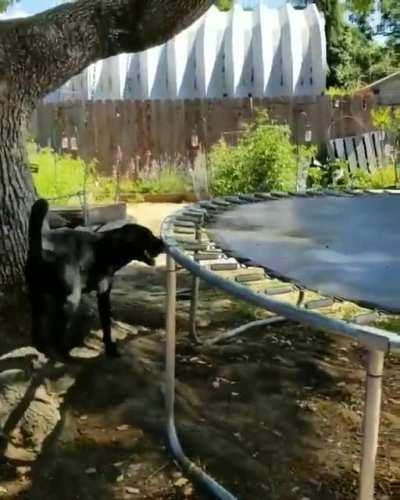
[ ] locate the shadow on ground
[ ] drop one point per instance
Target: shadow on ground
(275, 414)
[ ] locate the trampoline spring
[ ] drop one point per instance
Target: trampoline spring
(184, 230)
(332, 192)
(221, 203)
(235, 200)
(365, 318)
(318, 303)
(184, 224)
(299, 194)
(355, 192)
(193, 218)
(375, 191)
(279, 194)
(195, 209)
(264, 196)
(228, 266)
(207, 205)
(194, 245)
(245, 278)
(207, 256)
(249, 198)
(187, 218)
(279, 290)
(312, 192)
(244, 262)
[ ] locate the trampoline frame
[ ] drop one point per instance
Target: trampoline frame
(378, 342)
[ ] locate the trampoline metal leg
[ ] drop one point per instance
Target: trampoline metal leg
(371, 424)
(171, 341)
(193, 309)
(207, 482)
(252, 324)
(194, 298)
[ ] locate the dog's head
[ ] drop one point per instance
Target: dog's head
(141, 243)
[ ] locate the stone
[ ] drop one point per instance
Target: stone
(188, 490)
(24, 470)
(181, 482)
(132, 491)
(29, 403)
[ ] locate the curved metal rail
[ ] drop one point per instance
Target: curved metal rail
(204, 480)
(186, 252)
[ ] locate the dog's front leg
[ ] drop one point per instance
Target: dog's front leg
(104, 306)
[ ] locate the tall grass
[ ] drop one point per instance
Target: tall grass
(163, 178)
(61, 178)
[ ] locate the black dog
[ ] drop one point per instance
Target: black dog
(64, 263)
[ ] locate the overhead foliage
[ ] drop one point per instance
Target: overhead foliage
(359, 60)
(390, 26)
(224, 4)
(354, 57)
(361, 6)
(41, 53)
(4, 4)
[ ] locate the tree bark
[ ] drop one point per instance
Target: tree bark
(16, 196)
(37, 55)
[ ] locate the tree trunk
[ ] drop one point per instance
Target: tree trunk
(40, 53)
(16, 194)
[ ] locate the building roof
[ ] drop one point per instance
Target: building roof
(382, 80)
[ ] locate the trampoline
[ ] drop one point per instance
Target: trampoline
(341, 246)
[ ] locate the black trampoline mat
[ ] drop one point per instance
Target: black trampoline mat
(348, 247)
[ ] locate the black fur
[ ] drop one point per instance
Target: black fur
(64, 263)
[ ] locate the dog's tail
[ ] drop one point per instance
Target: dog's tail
(38, 214)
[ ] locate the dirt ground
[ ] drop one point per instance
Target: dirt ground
(274, 414)
(151, 214)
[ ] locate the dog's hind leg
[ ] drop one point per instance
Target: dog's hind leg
(38, 333)
(67, 308)
(104, 306)
(42, 320)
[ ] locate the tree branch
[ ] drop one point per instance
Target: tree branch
(38, 54)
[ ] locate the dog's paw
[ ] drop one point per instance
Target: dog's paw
(112, 350)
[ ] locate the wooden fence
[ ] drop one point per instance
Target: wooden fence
(365, 151)
(135, 134)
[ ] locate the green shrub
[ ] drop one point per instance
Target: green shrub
(388, 119)
(263, 160)
(360, 179)
(322, 177)
(335, 173)
(342, 92)
(382, 118)
(383, 177)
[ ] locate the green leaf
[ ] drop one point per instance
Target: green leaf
(4, 4)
